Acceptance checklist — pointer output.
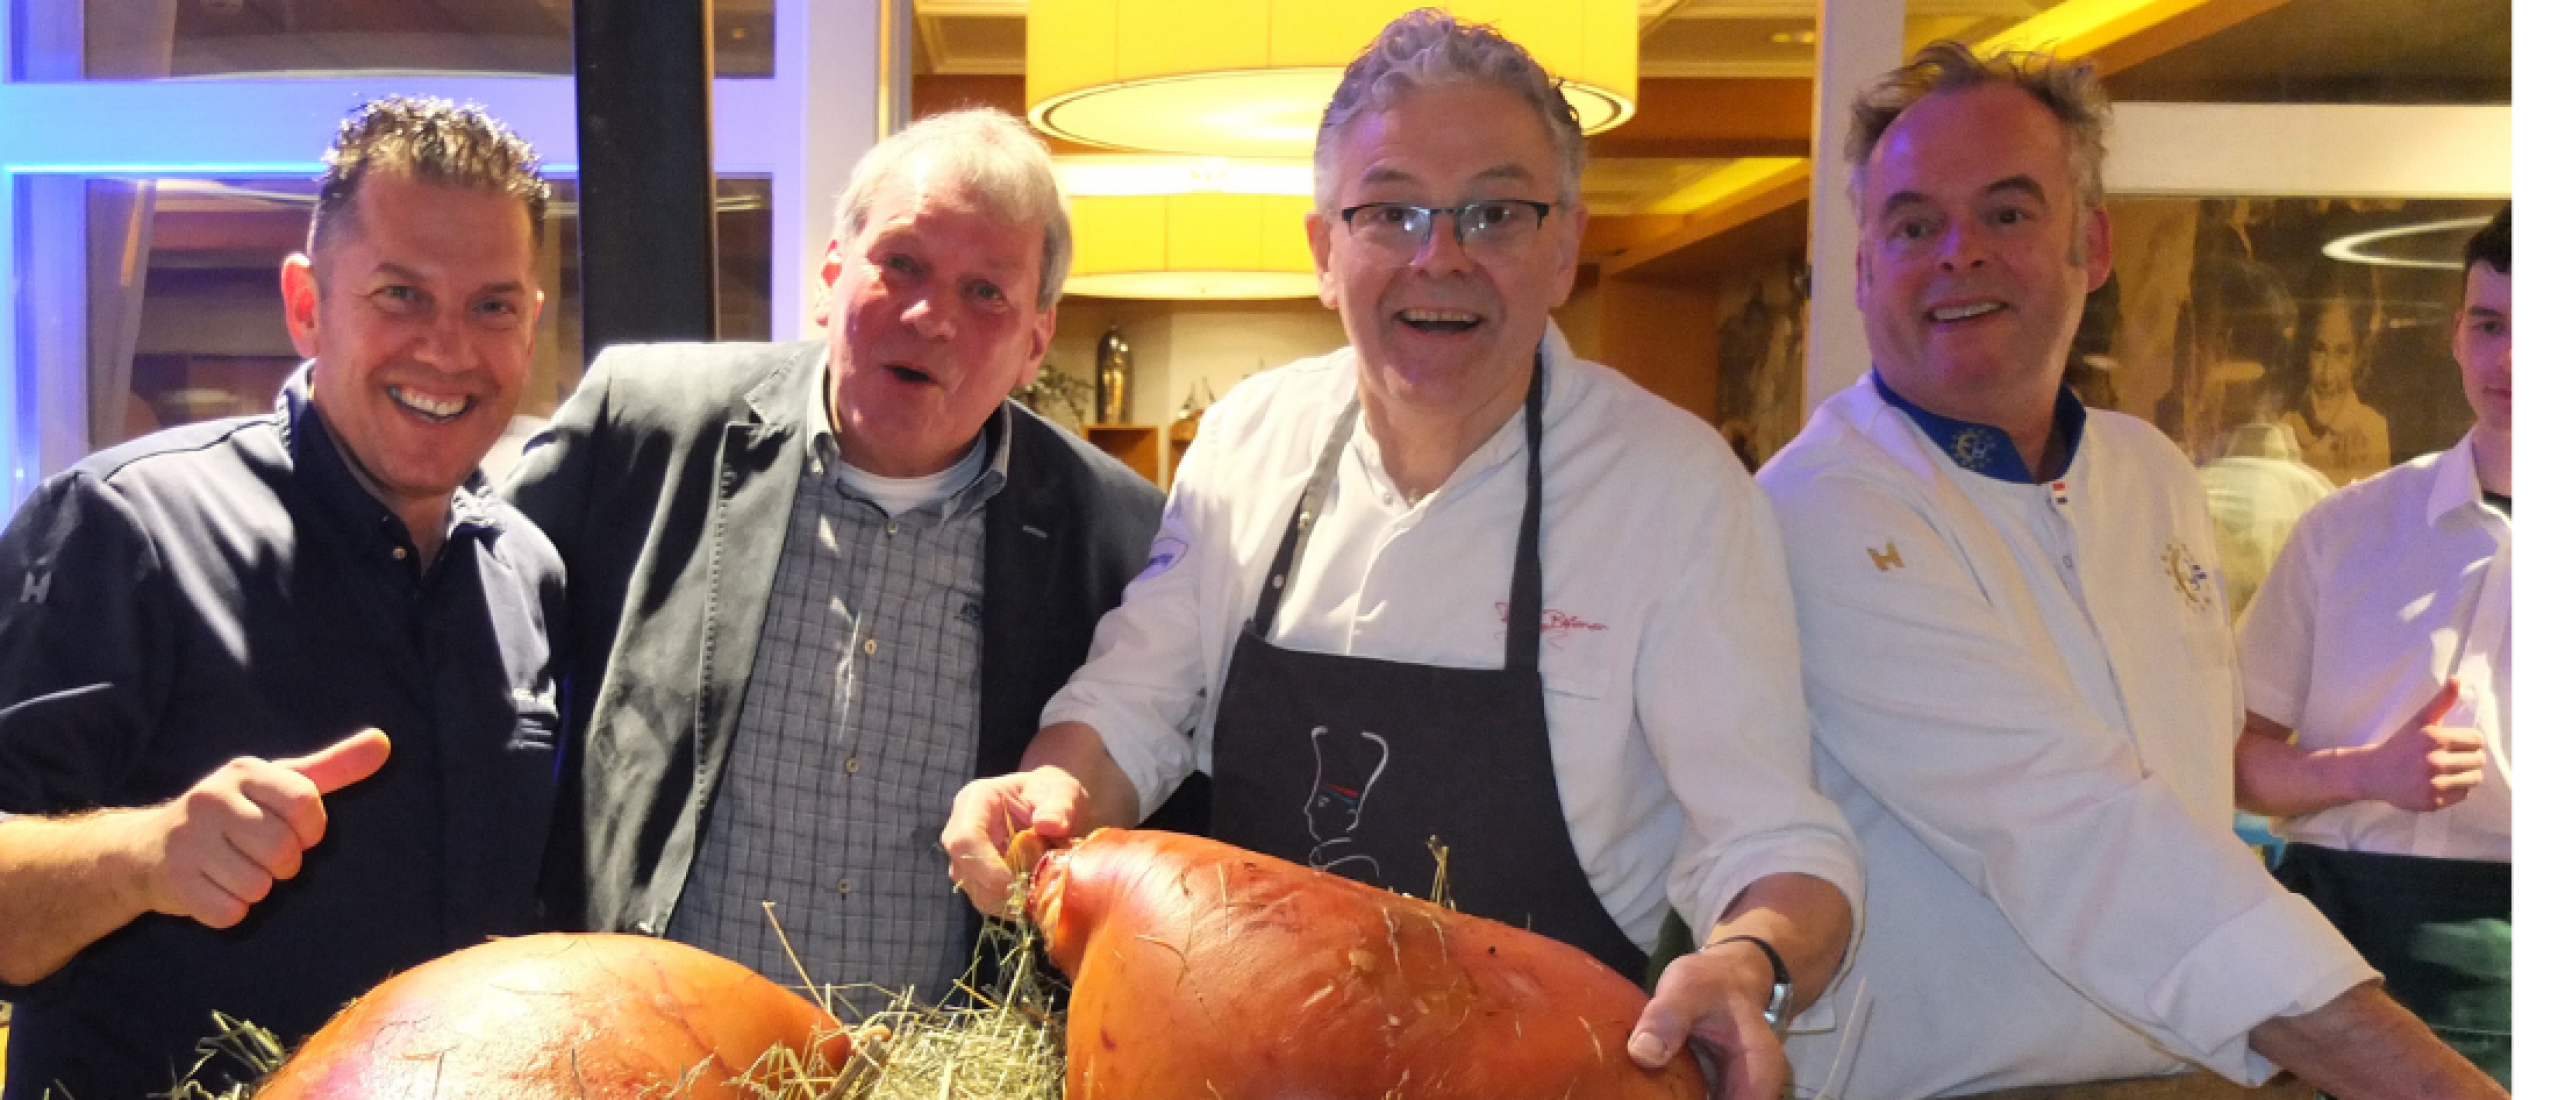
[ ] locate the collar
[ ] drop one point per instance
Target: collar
(320, 465)
(826, 455)
(2455, 482)
(1985, 450)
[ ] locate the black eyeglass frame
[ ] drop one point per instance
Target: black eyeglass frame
(1458, 225)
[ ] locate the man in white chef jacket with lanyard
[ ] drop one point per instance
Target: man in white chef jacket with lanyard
(1452, 582)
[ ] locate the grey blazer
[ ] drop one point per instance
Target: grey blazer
(666, 481)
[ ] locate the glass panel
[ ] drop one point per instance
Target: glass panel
(147, 39)
(2230, 312)
(2288, 345)
(204, 337)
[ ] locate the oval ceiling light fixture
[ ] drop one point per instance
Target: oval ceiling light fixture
(2359, 248)
(1166, 175)
(1191, 245)
(1250, 78)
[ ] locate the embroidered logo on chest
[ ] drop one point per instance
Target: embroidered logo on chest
(2187, 573)
(1974, 448)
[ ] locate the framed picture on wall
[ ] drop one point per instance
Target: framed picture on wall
(2289, 345)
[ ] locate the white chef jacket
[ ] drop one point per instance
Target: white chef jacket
(1673, 689)
(2258, 492)
(2387, 589)
(2024, 699)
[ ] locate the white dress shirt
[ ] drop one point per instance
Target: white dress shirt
(2387, 589)
(2025, 702)
(1672, 684)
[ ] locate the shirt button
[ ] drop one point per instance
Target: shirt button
(870, 646)
(892, 528)
(399, 553)
(852, 765)
(844, 886)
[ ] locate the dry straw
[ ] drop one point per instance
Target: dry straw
(1003, 1040)
(1000, 1040)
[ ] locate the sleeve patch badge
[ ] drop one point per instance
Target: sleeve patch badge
(1172, 543)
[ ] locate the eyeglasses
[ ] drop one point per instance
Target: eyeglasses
(1483, 227)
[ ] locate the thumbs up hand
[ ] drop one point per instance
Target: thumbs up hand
(2425, 766)
(219, 848)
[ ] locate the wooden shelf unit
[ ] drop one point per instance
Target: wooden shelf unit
(1138, 445)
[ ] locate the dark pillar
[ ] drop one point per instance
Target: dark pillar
(644, 182)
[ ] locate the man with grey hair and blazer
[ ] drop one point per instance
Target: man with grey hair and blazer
(816, 587)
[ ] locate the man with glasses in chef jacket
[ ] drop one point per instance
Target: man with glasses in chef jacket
(1455, 582)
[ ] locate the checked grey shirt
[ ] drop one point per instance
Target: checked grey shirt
(859, 727)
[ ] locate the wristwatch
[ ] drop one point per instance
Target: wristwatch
(1781, 997)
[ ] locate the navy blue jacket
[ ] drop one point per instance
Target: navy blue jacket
(226, 590)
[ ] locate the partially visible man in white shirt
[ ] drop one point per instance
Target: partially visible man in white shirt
(2021, 674)
(2379, 664)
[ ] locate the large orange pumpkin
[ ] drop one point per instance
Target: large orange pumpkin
(567, 1015)
(1203, 970)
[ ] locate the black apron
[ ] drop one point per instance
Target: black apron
(2440, 931)
(1353, 765)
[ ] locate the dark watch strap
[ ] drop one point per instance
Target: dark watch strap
(1781, 997)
